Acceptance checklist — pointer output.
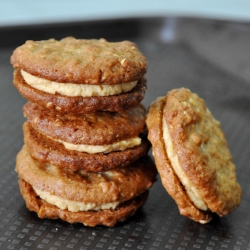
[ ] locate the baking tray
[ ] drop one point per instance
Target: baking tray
(178, 59)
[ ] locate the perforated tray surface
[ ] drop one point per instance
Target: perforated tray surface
(197, 62)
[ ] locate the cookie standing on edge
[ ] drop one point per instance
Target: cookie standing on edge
(192, 156)
(80, 76)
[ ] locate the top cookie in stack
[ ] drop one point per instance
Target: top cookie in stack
(80, 76)
(84, 158)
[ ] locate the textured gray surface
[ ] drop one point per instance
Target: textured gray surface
(158, 224)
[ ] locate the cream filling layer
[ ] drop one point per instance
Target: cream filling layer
(73, 206)
(173, 157)
(72, 89)
(94, 149)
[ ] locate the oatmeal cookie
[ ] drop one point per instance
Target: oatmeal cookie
(79, 104)
(106, 217)
(112, 186)
(192, 156)
(100, 128)
(47, 150)
(81, 61)
(80, 76)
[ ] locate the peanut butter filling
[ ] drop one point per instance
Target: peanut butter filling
(173, 157)
(94, 149)
(71, 89)
(73, 206)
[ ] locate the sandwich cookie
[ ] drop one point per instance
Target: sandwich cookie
(93, 142)
(79, 76)
(192, 156)
(103, 198)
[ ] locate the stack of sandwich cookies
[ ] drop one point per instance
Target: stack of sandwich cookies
(192, 156)
(85, 153)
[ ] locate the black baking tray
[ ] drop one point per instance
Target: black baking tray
(211, 58)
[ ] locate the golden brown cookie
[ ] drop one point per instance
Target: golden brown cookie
(100, 128)
(81, 61)
(80, 76)
(93, 142)
(79, 104)
(106, 217)
(45, 149)
(116, 185)
(192, 156)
